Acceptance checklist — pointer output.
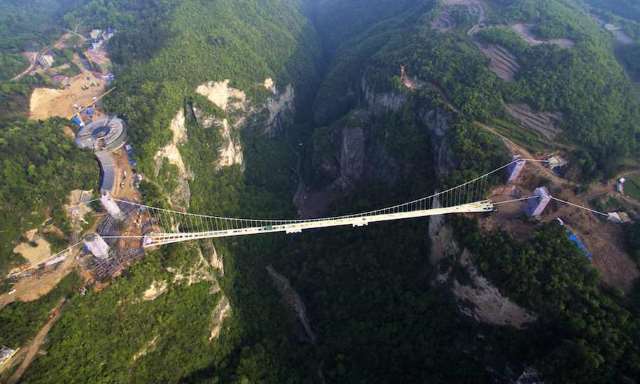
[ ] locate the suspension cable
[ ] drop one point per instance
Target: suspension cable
(514, 200)
(580, 206)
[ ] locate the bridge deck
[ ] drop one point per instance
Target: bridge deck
(156, 239)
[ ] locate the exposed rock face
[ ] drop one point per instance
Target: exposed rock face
(170, 151)
(346, 170)
(182, 194)
(293, 300)
(150, 346)
(270, 85)
(379, 102)
(477, 297)
(215, 259)
(220, 313)
(154, 291)
(196, 273)
(220, 94)
(438, 123)
(281, 109)
(346, 154)
(231, 151)
(443, 245)
(487, 303)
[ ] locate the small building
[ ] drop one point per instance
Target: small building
(96, 45)
(537, 205)
(618, 217)
(108, 133)
(95, 34)
(6, 354)
(97, 246)
(111, 206)
(90, 111)
(514, 169)
(611, 27)
(556, 162)
(46, 61)
(77, 121)
(620, 185)
(108, 78)
(578, 242)
(108, 34)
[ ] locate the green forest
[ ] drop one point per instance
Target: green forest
(28, 25)
(369, 293)
(584, 334)
(39, 166)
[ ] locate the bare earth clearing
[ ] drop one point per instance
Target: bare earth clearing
(34, 287)
(34, 254)
(48, 102)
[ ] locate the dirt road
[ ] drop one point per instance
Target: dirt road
(19, 76)
(33, 347)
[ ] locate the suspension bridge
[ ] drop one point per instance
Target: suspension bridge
(148, 227)
(169, 226)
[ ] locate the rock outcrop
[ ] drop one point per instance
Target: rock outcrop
(345, 169)
(221, 312)
(483, 301)
(280, 108)
(293, 301)
(171, 152)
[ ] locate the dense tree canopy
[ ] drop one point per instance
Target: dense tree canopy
(39, 166)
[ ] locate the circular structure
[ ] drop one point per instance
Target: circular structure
(108, 134)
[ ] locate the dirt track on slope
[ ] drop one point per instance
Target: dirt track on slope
(34, 347)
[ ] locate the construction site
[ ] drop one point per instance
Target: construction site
(78, 99)
(547, 196)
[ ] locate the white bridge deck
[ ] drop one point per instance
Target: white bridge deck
(156, 239)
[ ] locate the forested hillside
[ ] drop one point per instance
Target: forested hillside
(28, 25)
(166, 50)
(623, 8)
(585, 83)
(362, 135)
(39, 166)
